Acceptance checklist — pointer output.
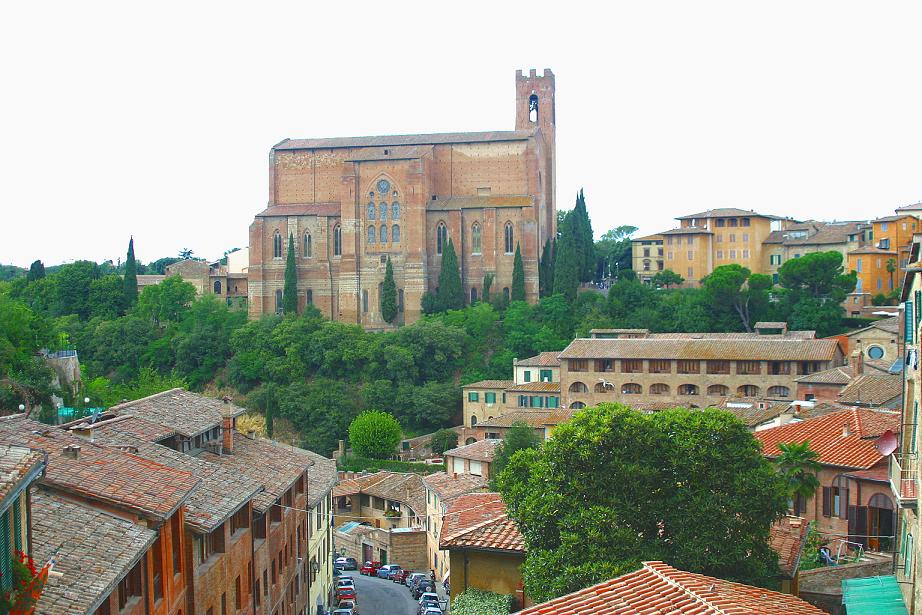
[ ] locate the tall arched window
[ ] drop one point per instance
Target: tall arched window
(473, 295)
(400, 300)
(371, 210)
(277, 245)
(506, 293)
(395, 233)
(383, 233)
(308, 250)
(278, 302)
(441, 237)
(383, 208)
(309, 296)
(371, 234)
(508, 236)
(337, 240)
(719, 389)
(475, 239)
(395, 210)
(473, 420)
(631, 388)
(364, 301)
(533, 108)
(578, 387)
(217, 287)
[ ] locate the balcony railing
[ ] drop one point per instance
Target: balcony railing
(904, 471)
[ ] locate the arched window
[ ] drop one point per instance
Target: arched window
(838, 498)
(688, 389)
(577, 405)
(400, 300)
(371, 233)
(879, 500)
(578, 387)
(395, 210)
(278, 302)
(308, 250)
(277, 245)
(599, 387)
(395, 233)
(337, 240)
(471, 440)
(718, 390)
(631, 388)
(779, 391)
(475, 239)
(533, 109)
(473, 421)
(371, 210)
(659, 389)
(309, 296)
(748, 390)
(383, 209)
(383, 233)
(509, 238)
(441, 237)
(217, 287)
(473, 295)
(364, 301)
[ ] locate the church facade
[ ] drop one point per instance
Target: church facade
(349, 204)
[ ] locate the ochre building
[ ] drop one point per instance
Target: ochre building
(350, 204)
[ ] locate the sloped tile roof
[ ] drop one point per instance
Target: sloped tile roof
(871, 250)
(891, 324)
(544, 359)
(873, 389)
(535, 418)
(760, 348)
(95, 550)
(478, 521)
(722, 212)
(787, 537)
(489, 384)
(417, 139)
(448, 486)
(659, 589)
(824, 233)
(687, 230)
(188, 413)
(18, 464)
(126, 423)
(482, 450)
(536, 387)
(403, 487)
(560, 415)
(856, 450)
(102, 473)
(753, 415)
(837, 375)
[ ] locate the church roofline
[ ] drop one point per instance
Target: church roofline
(396, 140)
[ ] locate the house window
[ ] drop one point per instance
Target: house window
(659, 389)
(371, 210)
(337, 240)
(475, 239)
(660, 366)
(527, 375)
(395, 233)
(277, 245)
(748, 367)
(473, 396)
(688, 366)
(779, 391)
(383, 236)
(383, 209)
(278, 301)
(631, 388)
(718, 390)
(395, 210)
(400, 300)
(744, 221)
(129, 588)
(508, 236)
(721, 222)
(691, 272)
(365, 301)
(604, 365)
(578, 387)
(546, 375)
(310, 296)
(441, 237)
(490, 397)
(720, 254)
(688, 389)
(473, 295)
(553, 401)
(578, 365)
(835, 498)
(308, 249)
(473, 421)
(631, 366)
(217, 287)
(748, 390)
(371, 234)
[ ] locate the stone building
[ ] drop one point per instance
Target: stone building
(350, 204)
(798, 239)
(441, 490)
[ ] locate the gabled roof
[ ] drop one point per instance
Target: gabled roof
(913, 207)
(872, 389)
(19, 466)
(837, 375)
(403, 487)
(478, 521)
(687, 230)
(754, 348)
(417, 139)
(819, 233)
(489, 384)
(890, 324)
(189, 414)
(787, 538)
(482, 450)
(448, 486)
(871, 250)
(95, 550)
(545, 359)
(723, 212)
(663, 590)
(844, 439)
(535, 387)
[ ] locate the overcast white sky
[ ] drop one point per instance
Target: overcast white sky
(156, 120)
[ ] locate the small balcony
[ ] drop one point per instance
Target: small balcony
(904, 471)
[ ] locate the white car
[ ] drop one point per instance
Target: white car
(428, 596)
(345, 582)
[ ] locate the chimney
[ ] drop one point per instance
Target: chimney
(846, 430)
(72, 451)
(228, 433)
(857, 361)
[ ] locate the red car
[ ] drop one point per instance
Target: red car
(370, 568)
(400, 576)
(345, 593)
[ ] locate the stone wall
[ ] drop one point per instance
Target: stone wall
(822, 587)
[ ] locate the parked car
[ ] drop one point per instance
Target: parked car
(432, 611)
(370, 568)
(415, 577)
(349, 604)
(339, 611)
(345, 563)
(345, 593)
(423, 597)
(385, 571)
(400, 576)
(428, 605)
(423, 587)
(345, 582)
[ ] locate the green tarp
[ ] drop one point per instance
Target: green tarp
(873, 596)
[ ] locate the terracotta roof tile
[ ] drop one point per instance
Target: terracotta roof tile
(188, 413)
(658, 589)
(489, 384)
(826, 435)
(417, 139)
(687, 230)
(758, 348)
(536, 387)
(482, 450)
(872, 389)
(545, 359)
(403, 487)
(95, 550)
(890, 324)
(724, 212)
(837, 375)
(17, 465)
(478, 521)
(535, 418)
(787, 537)
(448, 486)
(126, 423)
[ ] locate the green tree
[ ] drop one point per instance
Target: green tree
(615, 487)
(72, 283)
(374, 434)
(819, 275)
(450, 294)
(613, 252)
(389, 294)
(487, 284)
(799, 466)
(443, 440)
(167, 301)
(520, 436)
(730, 296)
(130, 283)
(891, 269)
(290, 293)
(585, 242)
(666, 278)
(36, 271)
(546, 270)
(518, 276)
(107, 297)
(566, 261)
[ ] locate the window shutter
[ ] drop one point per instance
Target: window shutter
(918, 300)
(827, 501)
(843, 509)
(908, 320)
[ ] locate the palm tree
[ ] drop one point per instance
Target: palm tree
(891, 268)
(798, 465)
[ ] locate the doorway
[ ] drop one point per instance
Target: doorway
(880, 523)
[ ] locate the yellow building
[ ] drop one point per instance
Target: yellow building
(647, 256)
(877, 269)
(803, 238)
(441, 490)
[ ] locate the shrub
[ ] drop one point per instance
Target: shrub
(478, 602)
(374, 434)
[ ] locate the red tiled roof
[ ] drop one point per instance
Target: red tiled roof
(787, 538)
(658, 589)
(478, 521)
(448, 486)
(878, 474)
(396, 140)
(482, 450)
(544, 359)
(825, 433)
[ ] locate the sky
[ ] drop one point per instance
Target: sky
(156, 119)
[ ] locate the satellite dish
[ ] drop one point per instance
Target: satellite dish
(887, 443)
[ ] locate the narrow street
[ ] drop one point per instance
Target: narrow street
(382, 597)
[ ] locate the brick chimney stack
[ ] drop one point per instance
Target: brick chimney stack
(228, 429)
(857, 362)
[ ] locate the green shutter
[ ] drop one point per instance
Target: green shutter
(908, 320)
(6, 553)
(490, 398)
(17, 524)
(918, 301)
(527, 375)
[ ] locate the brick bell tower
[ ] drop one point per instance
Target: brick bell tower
(535, 108)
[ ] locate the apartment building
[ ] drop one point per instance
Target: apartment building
(798, 239)
(535, 384)
(647, 256)
(691, 369)
(383, 499)
(441, 489)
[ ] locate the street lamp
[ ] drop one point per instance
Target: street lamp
(22, 407)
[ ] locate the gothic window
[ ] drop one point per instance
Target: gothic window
(364, 301)
(441, 237)
(217, 287)
(475, 239)
(383, 233)
(395, 211)
(506, 293)
(308, 250)
(310, 297)
(400, 300)
(395, 233)
(383, 208)
(510, 247)
(371, 211)
(277, 245)
(337, 240)
(371, 234)
(278, 302)
(533, 108)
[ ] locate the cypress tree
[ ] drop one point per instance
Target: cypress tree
(290, 292)
(585, 242)
(131, 277)
(566, 263)
(36, 271)
(389, 294)
(487, 283)
(450, 293)
(518, 277)
(545, 270)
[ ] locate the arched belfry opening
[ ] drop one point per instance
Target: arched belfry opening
(533, 108)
